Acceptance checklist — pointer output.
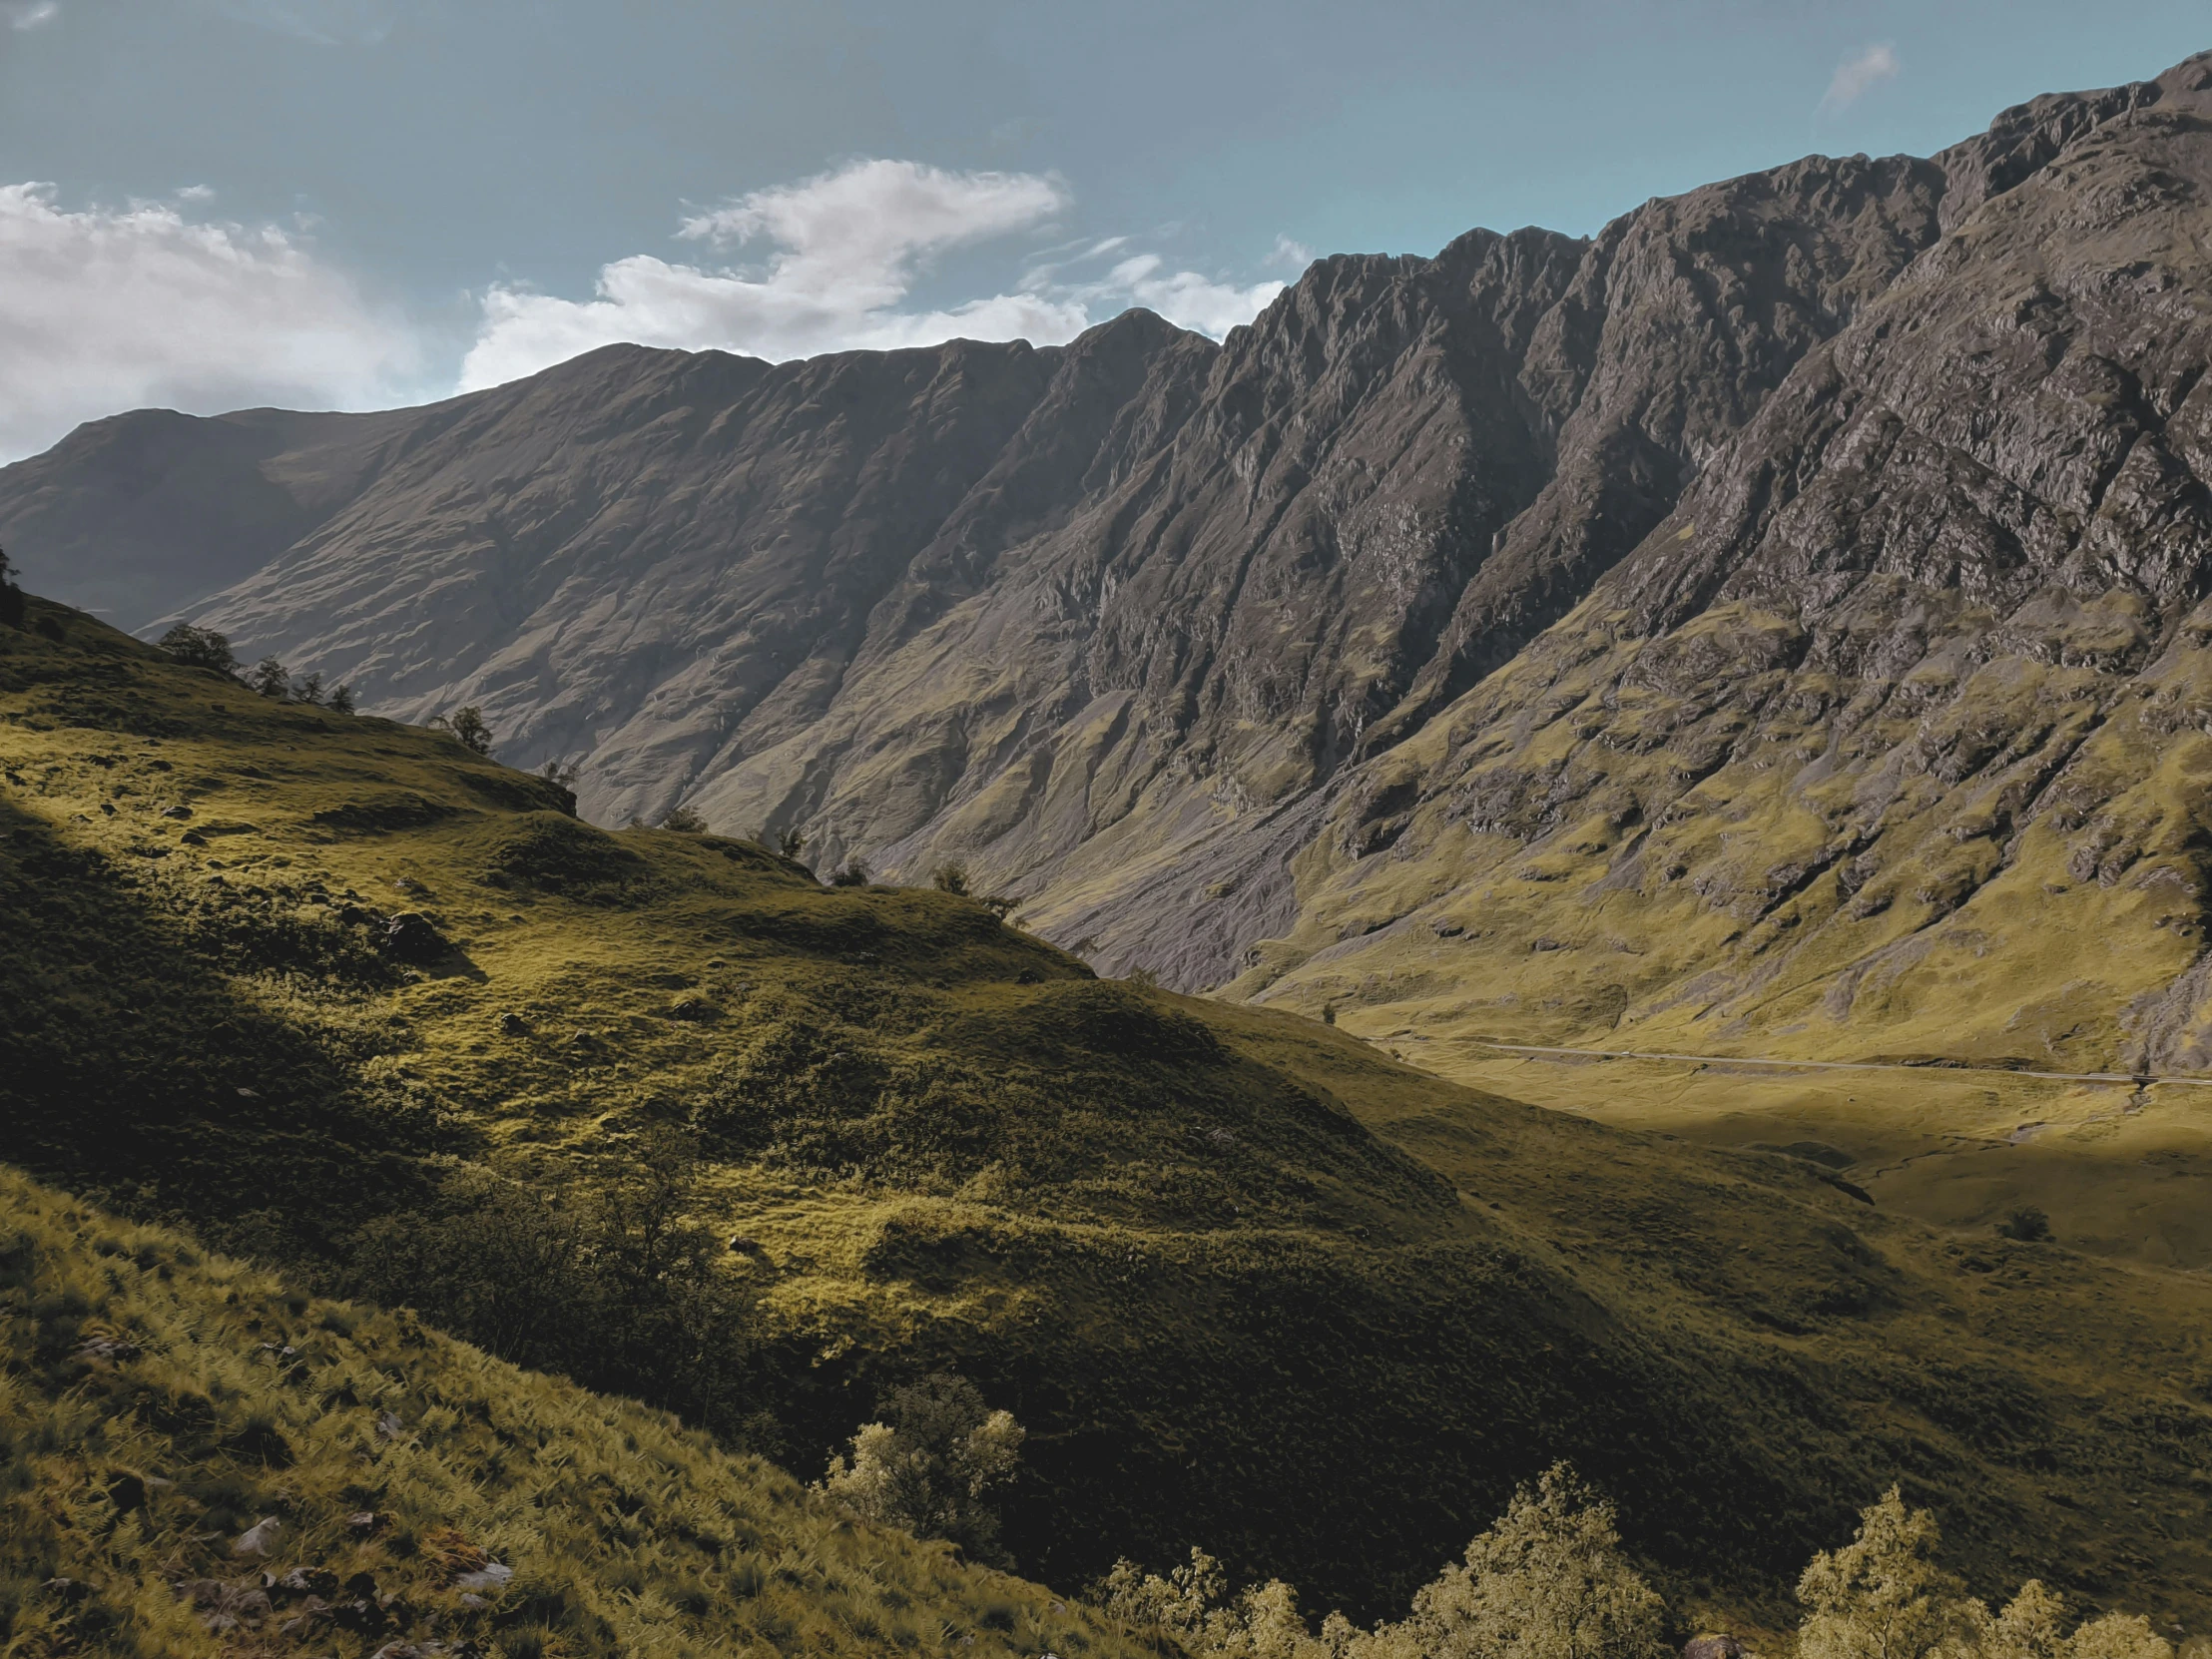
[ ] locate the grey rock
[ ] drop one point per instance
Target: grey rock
(1053, 612)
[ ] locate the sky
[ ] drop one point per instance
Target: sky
(355, 204)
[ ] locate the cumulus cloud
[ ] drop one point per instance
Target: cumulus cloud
(844, 252)
(103, 309)
(1859, 73)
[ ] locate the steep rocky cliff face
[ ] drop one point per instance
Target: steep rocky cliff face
(1897, 728)
(1699, 569)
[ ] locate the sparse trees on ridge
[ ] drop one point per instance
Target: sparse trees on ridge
(467, 726)
(198, 647)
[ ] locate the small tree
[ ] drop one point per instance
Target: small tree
(853, 873)
(308, 689)
(1882, 1596)
(2027, 1224)
(1547, 1581)
(684, 821)
(342, 700)
(271, 678)
(199, 648)
(951, 878)
(791, 843)
(560, 774)
(932, 1463)
(466, 727)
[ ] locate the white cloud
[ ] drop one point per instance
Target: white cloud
(1295, 256)
(1183, 298)
(22, 17)
(849, 248)
(1859, 73)
(114, 308)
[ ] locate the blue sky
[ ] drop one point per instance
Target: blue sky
(213, 203)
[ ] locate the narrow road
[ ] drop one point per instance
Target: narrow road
(1840, 1065)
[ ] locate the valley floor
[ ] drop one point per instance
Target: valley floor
(2123, 1170)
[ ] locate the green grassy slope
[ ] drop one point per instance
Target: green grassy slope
(1249, 1283)
(157, 1405)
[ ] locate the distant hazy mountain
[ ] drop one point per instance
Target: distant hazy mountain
(1790, 542)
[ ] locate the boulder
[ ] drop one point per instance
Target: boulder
(411, 937)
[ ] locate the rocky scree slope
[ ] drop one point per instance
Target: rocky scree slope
(1108, 621)
(1892, 736)
(308, 983)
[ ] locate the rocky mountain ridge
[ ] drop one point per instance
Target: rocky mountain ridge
(1194, 646)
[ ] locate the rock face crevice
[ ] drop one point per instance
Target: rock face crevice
(1495, 567)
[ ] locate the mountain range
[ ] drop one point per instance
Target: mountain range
(1732, 625)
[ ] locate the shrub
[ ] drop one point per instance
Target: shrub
(951, 878)
(199, 648)
(1882, 1596)
(930, 1466)
(853, 873)
(684, 821)
(2027, 1224)
(466, 727)
(12, 603)
(1547, 1581)
(271, 678)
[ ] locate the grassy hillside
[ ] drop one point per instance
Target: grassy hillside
(1249, 1283)
(160, 1407)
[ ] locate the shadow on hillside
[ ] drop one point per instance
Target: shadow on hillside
(134, 1072)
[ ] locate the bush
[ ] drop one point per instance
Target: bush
(1547, 1581)
(199, 648)
(1882, 1596)
(271, 678)
(618, 1290)
(931, 1465)
(951, 878)
(2027, 1224)
(853, 875)
(684, 821)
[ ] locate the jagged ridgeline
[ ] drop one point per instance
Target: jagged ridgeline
(348, 996)
(1735, 625)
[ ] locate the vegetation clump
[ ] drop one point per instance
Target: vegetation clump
(1549, 1580)
(466, 726)
(933, 1466)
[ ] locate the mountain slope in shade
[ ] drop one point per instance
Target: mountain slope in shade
(1121, 624)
